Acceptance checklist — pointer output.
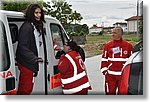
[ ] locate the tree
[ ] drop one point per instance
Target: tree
(85, 28)
(62, 11)
(13, 5)
(75, 17)
(59, 9)
(77, 29)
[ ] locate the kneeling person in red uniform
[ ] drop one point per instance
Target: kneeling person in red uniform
(73, 74)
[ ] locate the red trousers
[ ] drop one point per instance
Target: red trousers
(82, 92)
(111, 84)
(25, 81)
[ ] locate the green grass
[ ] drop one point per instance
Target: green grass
(94, 44)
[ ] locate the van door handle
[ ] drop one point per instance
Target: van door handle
(48, 77)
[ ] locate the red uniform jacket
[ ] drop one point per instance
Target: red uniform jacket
(115, 54)
(73, 74)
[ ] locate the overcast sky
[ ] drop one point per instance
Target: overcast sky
(104, 12)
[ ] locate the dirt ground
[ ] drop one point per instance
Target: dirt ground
(92, 49)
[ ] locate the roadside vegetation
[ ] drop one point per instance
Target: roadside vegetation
(94, 43)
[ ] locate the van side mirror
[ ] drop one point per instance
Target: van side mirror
(14, 32)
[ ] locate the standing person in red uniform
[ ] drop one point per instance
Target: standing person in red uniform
(28, 48)
(73, 73)
(115, 54)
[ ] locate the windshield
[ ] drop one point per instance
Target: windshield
(4, 53)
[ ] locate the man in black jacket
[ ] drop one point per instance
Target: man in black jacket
(28, 48)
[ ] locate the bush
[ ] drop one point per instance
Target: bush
(101, 33)
(73, 34)
(76, 34)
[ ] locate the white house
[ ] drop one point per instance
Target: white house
(95, 29)
(132, 23)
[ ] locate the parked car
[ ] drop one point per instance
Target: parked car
(132, 74)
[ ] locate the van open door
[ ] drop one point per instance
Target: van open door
(7, 62)
(55, 37)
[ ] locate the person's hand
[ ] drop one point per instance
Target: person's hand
(40, 60)
(104, 72)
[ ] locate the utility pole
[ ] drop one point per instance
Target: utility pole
(137, 20)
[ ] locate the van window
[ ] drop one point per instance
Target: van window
(4, 52)
(14, 32)
(56, 38)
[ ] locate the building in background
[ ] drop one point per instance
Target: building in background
(135, 23)
(132, 23)
(95, 30)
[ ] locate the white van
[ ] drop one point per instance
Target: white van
(47, 81)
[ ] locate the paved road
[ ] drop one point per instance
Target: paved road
(96, 78)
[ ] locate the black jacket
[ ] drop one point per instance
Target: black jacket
(26, 53)
(82, 53)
